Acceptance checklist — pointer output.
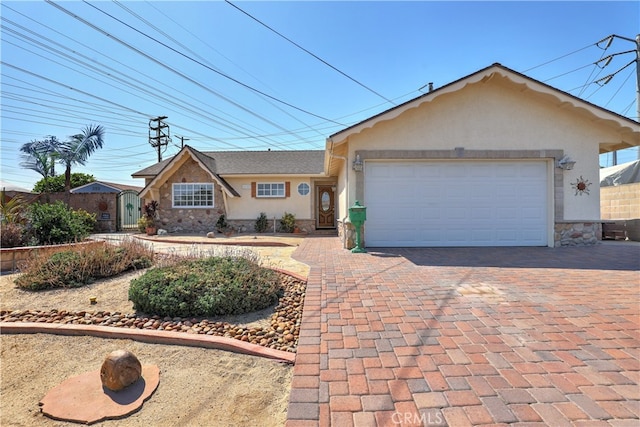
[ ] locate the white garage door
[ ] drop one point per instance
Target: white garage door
(456, 203)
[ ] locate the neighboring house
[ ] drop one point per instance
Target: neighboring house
(195, 188)
(117, 206)
(105, 187)
(11, 190)
(493, 159)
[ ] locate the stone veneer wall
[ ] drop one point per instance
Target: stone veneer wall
(190, 220)
(347, 234)
(566, 234)
(577, 233)
(248, 225)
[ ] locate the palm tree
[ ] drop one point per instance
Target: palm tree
(39, 156)
(77, 150)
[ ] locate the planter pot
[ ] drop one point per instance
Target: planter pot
(151, 231)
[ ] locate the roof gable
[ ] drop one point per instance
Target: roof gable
(205, 163)
(628, 129)
(104, 187)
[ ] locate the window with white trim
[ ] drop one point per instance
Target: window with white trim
(270, 189)
(192, 195)
(303, 189)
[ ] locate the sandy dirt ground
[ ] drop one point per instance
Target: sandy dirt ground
(198, 387)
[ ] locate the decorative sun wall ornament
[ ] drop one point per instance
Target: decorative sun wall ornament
(581, 186)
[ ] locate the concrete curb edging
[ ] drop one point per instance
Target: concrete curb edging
(149, 336)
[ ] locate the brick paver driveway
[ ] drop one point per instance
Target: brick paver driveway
(468, 337)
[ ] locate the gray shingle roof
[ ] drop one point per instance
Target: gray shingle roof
(294, 162)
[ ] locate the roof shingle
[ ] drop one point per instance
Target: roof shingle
(294, 162)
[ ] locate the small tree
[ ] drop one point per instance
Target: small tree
(77, 150)
(261, 223)
(40, 156)
(55, 184)
(221, 224)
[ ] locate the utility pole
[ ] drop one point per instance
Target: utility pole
(182, 140)
(159, 134)
(606, 79)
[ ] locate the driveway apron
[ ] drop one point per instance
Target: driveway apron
(468, 336)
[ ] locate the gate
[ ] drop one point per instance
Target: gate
(128, 210)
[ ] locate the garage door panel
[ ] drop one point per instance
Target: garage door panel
(456, 203)
(429, 171)
(481, 214)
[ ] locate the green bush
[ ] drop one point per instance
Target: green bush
(206, 287)
(261, 223)
(55, 184)
(287, 223)
(56, 223)
(75, 268)
(221, 224)
(87, 220)
(142, 224)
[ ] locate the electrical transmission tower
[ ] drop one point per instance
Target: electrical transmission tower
(602, 63)
(159, 135)
(606, 60)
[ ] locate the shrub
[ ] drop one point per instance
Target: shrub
(261, 223)
(87, 220)
(55, 223)
(287, 223)
(221, 224)
(142, 224)
(75, 268)
(12, 209)
(206, 287)
(150, 213)
(12, 235)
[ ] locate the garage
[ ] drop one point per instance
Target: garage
(453, 203)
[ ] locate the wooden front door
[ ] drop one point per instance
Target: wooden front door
(325, 206)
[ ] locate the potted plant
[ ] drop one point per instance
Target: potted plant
(150, 213)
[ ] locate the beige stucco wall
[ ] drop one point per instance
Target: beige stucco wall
(247, 207)
(496, 116)
(620, 201)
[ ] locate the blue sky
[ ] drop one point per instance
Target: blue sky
(203, 64)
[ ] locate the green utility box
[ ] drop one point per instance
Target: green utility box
(357, 216)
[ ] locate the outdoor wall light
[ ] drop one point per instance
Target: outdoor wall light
(358, 164)
(566, 163)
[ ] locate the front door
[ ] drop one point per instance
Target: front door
(326, 207)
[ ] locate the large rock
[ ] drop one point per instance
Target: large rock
(120, 369)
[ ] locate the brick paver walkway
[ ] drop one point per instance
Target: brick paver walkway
(468, 337)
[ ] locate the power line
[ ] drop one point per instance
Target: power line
(183, 104)
(559, 57)
(310, 53)
(199, 63)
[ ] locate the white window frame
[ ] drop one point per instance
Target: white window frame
(192, 187)
(266, 190)
(306, 187)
